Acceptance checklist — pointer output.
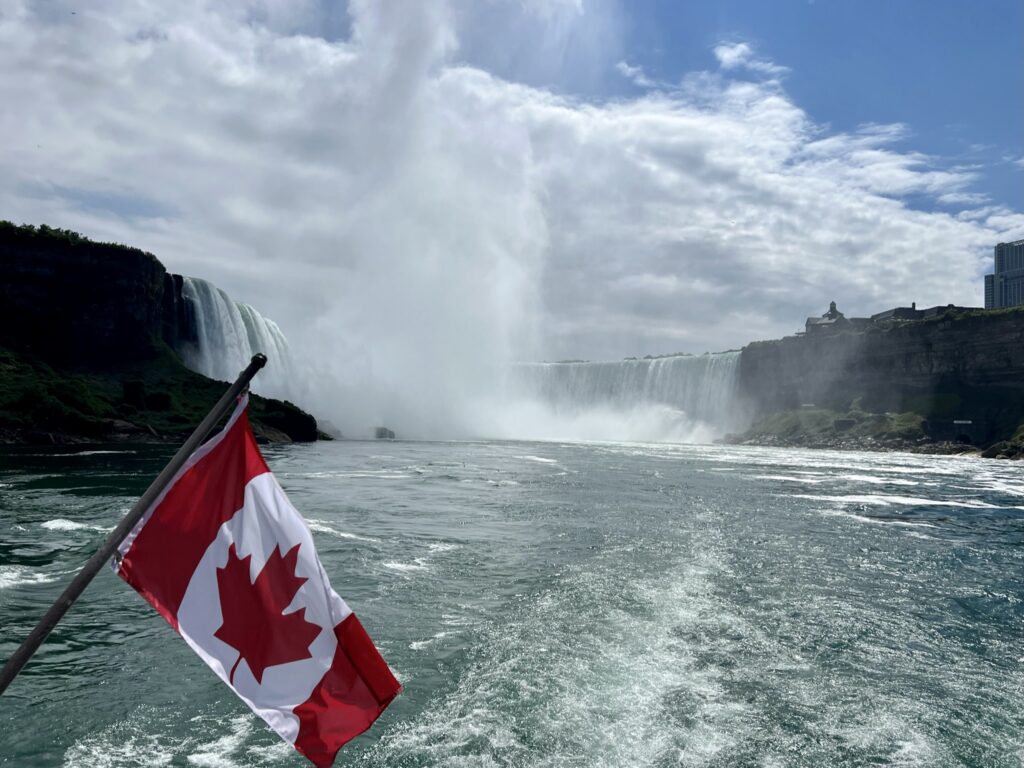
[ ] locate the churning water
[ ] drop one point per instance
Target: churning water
(552, 604)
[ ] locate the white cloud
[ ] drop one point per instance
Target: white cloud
(963, 198)
(741, 56)
(732, 55)
(413, 223)
(634, 74)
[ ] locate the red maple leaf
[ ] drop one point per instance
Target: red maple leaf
(255, 624)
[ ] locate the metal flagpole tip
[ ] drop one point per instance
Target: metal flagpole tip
(259, 360)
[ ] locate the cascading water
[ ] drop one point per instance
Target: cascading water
(228, 333)
(678, 398)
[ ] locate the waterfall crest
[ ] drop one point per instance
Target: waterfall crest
(685, 397)
(228, 333)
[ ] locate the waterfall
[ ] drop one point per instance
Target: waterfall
(680, 397)
(228, 333)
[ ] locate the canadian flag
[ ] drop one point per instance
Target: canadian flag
(228, 561)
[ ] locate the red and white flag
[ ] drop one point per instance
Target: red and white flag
(225, 558)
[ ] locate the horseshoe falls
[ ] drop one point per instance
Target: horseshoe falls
(227, 333)
(680, 398)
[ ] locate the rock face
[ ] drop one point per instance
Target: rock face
(70, 300)
(964, 372)
(67, 299)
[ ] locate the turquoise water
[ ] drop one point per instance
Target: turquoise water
(566, 605)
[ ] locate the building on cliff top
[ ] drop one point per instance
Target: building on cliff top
(833, 320)
(1005, 286)
(830, 321)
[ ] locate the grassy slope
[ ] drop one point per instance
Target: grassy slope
(80, 404)
(810, 425)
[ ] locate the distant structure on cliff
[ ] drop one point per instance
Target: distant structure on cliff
(1005, 287)
(830, 321)
(834, 320)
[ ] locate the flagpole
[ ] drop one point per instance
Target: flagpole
(78, 584)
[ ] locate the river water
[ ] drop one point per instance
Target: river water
(552, 604)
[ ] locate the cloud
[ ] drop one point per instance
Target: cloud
(414, 222)
(634, 74)
(963, 198)
(741, 56)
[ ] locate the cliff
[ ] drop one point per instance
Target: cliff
(87, 337)
(962, 372)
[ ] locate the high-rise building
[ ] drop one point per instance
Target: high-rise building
(1005, 287)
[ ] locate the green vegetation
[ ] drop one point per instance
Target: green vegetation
(817, 426)
(44, 233)
(35, 397)
(158, 399)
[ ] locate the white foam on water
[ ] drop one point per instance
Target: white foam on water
(444, 546)
(790, 479)
(373, 474)
(540, 459)
(62, 524)
(833, 462)
(220, 752)
(20, 575)
(129, 743)
(361, 474)
(96, 453)
(885, 501)
(148, 738)
(419, 564)
(876, 520)
(321, 526)
(877, 480)
(419, 645)
(1001, 485)
(918, 535)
